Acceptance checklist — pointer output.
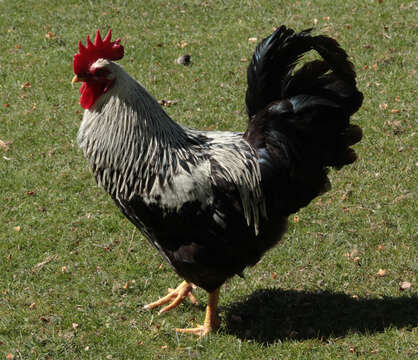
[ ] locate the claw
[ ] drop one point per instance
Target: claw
(200, 331)
(174, 297)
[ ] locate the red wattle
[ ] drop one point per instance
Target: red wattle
(90, 92)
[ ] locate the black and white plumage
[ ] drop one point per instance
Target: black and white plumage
(213, 203)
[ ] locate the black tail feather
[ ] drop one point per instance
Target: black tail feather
(336, 57)
(300, 119)
(302, 79)
(271, 74)
(273, 59)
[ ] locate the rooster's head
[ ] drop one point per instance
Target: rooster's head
(92, 66)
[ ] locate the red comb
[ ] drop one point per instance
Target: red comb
(101, 49)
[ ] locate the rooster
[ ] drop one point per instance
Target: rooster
(213, 202)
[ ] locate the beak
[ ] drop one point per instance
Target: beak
(78, 79)
(75, 79)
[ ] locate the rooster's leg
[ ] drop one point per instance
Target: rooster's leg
(211, 319)
(174, 297)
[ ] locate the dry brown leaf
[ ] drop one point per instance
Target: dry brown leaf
(40, 265)
(32, 306)
(244, 59)
(167, 103)
(6, 105)
(75, 326)
(183, 44)
(395, 111)
(4, 145)
(164, 347)
(26, 85)
(274, 275)
(381, 272)
(405, 285)
(126, 285)
(252, 39)
(10, 356)
(296, 219)
(380, 247)
(64, 269)
(374, 66)
(383, 106)
(16, 228)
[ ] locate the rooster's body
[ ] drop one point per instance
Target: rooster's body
(213, 202)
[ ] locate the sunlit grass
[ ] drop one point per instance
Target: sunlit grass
(74, 273)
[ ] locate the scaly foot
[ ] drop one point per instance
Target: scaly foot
(212, 320)
(174, 297)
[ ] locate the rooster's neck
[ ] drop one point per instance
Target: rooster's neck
(128, 139)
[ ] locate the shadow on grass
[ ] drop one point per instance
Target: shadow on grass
(273, 314)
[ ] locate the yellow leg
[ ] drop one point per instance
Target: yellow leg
(174, 297)
(212, 321)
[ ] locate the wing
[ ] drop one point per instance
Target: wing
(218, 169)
(235, 176)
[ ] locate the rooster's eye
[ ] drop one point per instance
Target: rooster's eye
(100, 72)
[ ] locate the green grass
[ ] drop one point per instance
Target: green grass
(76, 260)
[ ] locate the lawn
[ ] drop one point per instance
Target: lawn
(74, 273)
